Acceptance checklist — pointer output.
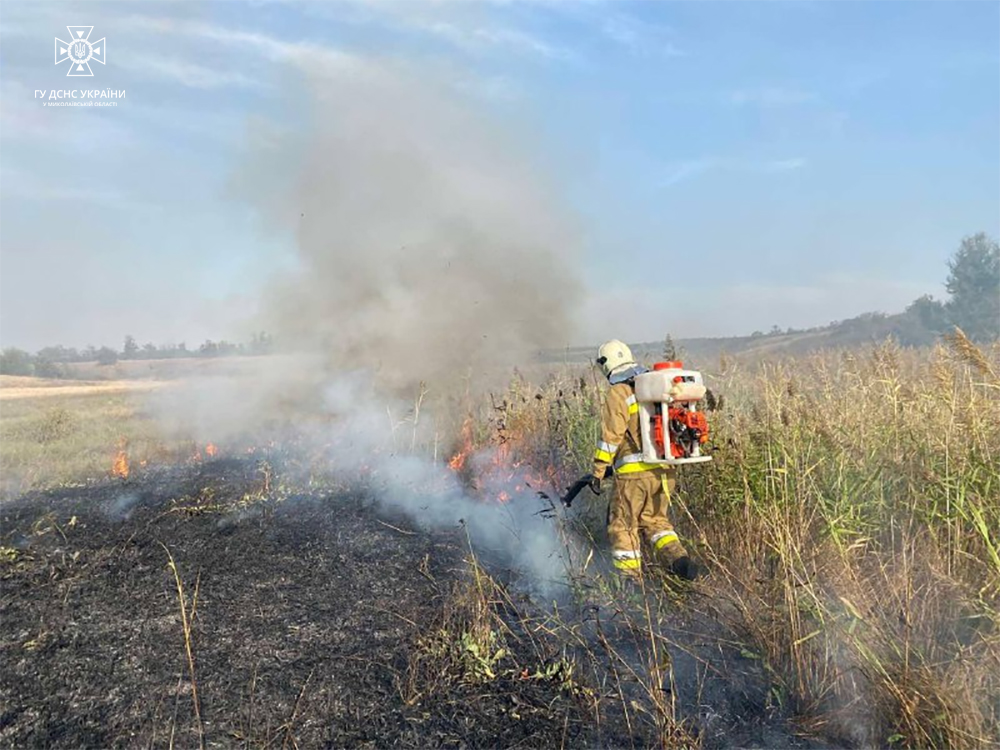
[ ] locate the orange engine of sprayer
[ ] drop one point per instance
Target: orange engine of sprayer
(685, 427)
(671, 426)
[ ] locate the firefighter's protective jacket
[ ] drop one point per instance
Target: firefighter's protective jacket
(638, 508)
(620, 444)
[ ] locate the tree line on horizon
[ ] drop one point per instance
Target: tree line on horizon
(973, 304)
(52, 361)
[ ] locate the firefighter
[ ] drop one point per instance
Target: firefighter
(638, 509)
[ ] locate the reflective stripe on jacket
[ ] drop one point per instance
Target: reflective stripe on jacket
(632, 463)
(620, 443)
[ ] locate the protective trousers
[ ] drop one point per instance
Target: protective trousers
(638, 511)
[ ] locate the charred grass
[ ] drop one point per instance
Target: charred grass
(213, 605)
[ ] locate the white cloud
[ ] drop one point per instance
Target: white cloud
(640, 38)
(689, 169)
(784, 165)
(268, 47)
(478, 38)
(771, 96)
(189, 74)
(466, 26)
(446, 21)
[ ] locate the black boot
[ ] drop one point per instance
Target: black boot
(684, 567)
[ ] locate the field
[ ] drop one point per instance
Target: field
(163, 369)
(58, 432)
(263, 592)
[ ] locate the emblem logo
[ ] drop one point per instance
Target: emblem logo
(80, 51)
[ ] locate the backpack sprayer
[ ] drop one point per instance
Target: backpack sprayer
(670, 426)
(671, 429)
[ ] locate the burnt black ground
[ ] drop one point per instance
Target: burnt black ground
(720, 690)
(307, 613)
(311, 610)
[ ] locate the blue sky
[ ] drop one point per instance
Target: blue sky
(727, 166)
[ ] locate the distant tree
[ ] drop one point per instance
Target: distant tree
(928, 313)
(58, 354)
(106, 356)
(913, 327)
(129, 348)
(974, 286)
(149, 351)
(669, 349)
(89, 354)
(208, 349)
(47, 368)
(16, 362)
(775, 331)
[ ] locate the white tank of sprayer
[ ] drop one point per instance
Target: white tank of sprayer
(670, 425)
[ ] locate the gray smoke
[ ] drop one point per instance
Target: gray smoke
(427, 242)
(429, 250)
(518, 533)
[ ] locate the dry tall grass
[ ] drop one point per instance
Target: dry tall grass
(851, 525)
(73, 438)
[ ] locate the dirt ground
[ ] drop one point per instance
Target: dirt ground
(308, 614)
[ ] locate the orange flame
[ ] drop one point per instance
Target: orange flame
(458, 460)
(119, 468)
(211, 450)
(504, 474)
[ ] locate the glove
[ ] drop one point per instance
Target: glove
(595, 485)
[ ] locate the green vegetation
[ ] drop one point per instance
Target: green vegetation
(974, 286)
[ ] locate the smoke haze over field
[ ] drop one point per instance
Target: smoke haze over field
(428, 244)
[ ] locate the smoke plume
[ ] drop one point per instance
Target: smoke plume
(428, 249)
(427, 242)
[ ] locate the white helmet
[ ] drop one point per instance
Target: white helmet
(614, 356)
